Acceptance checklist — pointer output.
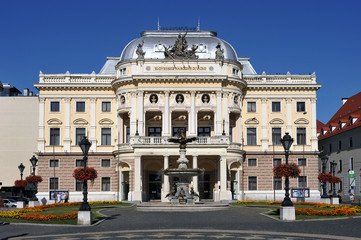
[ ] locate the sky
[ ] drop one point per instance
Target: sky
(279, 36)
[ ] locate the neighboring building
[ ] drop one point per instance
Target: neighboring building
(7, 90)
(340, 140)
(19, 120)
(140, 99)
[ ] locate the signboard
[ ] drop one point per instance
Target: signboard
(300, 192)
(351, 174)
(59, 195)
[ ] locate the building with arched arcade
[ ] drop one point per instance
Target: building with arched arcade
(170, 80)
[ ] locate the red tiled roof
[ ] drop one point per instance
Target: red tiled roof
(352, 108)
(319, 125)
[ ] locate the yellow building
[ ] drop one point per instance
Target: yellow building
(162, 82)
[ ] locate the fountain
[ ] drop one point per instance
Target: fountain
(181, 194)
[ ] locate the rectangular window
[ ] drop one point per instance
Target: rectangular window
(127, 139)
(339, 166)
(80, 134)
(252, 162)
(276, 106)
(276, 136)
(252, 183)
(302, 181)
(301, 136)
(106, 136)
(105, 162)
(251, 136)
(301, 107)
(330, 147)
(351, 163)
(106, 107)
(80, 106)
(231, 134)
(339, 145)
(350, 142)
(54, 106)
(276, 161)
(277, 183)
(55, 136)
(79, 163)
(340, 188)
(78, 185)
(54, 163)
(105, 183)
(204, 131)
(302, 162)
(53, 182)
(175, 130)
(251, 106)
(154, 131)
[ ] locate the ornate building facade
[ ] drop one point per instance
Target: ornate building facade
(162, 82)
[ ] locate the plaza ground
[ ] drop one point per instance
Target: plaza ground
(234, 222)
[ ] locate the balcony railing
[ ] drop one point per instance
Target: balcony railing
(164, 141)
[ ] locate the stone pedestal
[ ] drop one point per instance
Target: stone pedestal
(34, 203)
(20, 204)
(84, 218)
(335, 200)
(326, 200)
(287, 214)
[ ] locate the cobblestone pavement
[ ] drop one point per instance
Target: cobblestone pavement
(233, 223)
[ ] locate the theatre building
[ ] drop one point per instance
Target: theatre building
(162, 82)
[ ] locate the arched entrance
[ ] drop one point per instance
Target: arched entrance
(235, 179)
(123, 181)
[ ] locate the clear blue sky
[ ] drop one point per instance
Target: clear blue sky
(279, 36)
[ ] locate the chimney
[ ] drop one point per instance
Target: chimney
(344, 100)
(31, 93)
(26, 92)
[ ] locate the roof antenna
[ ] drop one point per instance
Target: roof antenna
(158, 25)
(199, 24)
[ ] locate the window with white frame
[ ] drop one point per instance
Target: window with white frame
(105, 162)
(79, 135)
(252, 183)
(276, 106)
(54, 106)
(105, 183)
(53, 163)
(251, 136)
(106, 136)
(251, 106)
(276, 161)
(252, 162)
(79, 163)
(80, 106)
(54, 136)
(53, 183)
(302, 162)
(301, 106)
(78, 185)
(106, 106)
(301, 136)
(276, 136)
(302, 181)
(277, 183)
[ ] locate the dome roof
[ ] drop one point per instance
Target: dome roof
(154, 43)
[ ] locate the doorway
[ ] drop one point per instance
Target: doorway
(154, 185)
(205, 186)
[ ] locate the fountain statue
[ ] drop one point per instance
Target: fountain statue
(180, 193)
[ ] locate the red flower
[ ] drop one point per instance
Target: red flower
(335, 179)
(88, 173)
(325, 177)
(34, 179)
(286, 170)
(21, 183)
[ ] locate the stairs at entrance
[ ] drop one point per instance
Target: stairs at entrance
(167, 207)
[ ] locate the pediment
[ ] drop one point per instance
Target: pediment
(301, 121)
(54, 121)
(106, 121)
(80, 121)
(252, 121)
(276, 121)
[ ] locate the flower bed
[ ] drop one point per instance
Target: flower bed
(334, 212)
(38, 217)
(34, 179)
(286, 170)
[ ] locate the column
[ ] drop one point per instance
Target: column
(140, 113)
(195, 178)
(264, 139)
(133, 114)
(120, 196)
(93, 137)
(223, 179)
(165, 189)
(225, 114)
(137, 179)
(192, 116)
(67, 139)
(41, 139)
(289, 116)
(166, 115)
(314, 141)
(218, 130)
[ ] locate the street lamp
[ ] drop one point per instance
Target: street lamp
(324, 160)
(34, 186)
(84, 144)
(333, 166)
(287, 141)
(21, 168)
(33, 161)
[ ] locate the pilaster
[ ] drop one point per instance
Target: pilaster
(314, 140)
(41, 139)
(140, 113)
(195, 178)
(165, 189)
(133, 114)
(289, 116)
(264, 139)
(93, 137)
(192, 119)
(67, 139)
(223, 195)
(225, 127)
(218, 130)
(166, 115)
(137, 179)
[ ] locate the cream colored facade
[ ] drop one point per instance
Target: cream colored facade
(18, 136)
(149, 97)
